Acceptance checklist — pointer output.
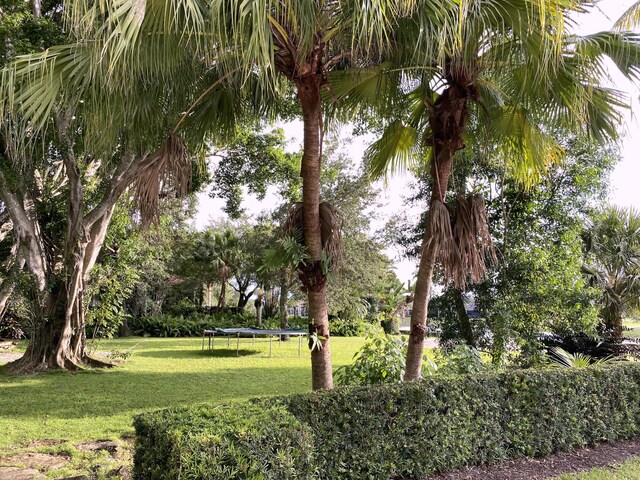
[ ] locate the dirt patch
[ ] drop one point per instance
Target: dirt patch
(40, 461)
(100, 445)
(13, 473)
(604, 455)
(9, 357)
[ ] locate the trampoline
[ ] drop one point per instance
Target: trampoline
(231, 332)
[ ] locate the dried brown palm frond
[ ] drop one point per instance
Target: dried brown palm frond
(465, 238)
(479, 215)
(167, 170)
(330, 230)
(447, 254)
(472, 242)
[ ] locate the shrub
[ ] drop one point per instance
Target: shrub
(168, 326)
(380, 360)
(461, 359)
(404, 430)
(348, 327)
(245, 441)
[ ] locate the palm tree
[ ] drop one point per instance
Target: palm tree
(614, 251)
(216, 254)
(511, 76)
(225, 252)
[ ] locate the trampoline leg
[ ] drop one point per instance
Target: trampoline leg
(238, 347)
(254, 339)
(203, 342)
(212, 340)
(299, 345)
(270, 344)
(228, 341)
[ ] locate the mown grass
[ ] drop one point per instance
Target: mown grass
(634, 325)
(629, 470)
(159, 373)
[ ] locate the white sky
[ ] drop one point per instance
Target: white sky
(625, 180)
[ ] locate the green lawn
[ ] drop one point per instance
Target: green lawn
(627, 471)
(160, 373)
(634, 325)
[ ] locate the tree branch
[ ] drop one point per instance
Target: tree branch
(122, 177)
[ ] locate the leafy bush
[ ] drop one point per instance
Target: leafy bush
(462, 359)
(399, 430)
(168, 326)
(348, 327)
(380, 360)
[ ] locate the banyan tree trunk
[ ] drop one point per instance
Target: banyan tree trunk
(58, 339)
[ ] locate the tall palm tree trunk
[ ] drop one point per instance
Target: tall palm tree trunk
(314, 279)
(413, 369)
(448, 119)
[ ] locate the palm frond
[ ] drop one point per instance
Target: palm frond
(396, 150)
(558, 357)
(447, 253)
(629, 19)
(473, 240)
(168, 169)
(330, 230)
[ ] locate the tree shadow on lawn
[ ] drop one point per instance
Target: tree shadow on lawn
(183, 353)
(91, 394)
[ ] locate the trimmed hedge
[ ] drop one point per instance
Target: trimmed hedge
(393, 431)
(169, 326)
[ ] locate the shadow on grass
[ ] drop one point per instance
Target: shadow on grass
(217, 353)
(85, 396)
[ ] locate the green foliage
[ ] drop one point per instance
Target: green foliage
(192, 326)
(11, 328)
(559, 357)
(538, 284)
(252, 440)
(365, 270)
(287, 252)
(462, 360)
(613, 252)
(112, 283)
(21, 33)
(398, 430)
(293, 321)
(349, 326)
(256, 160)
(380, 360)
